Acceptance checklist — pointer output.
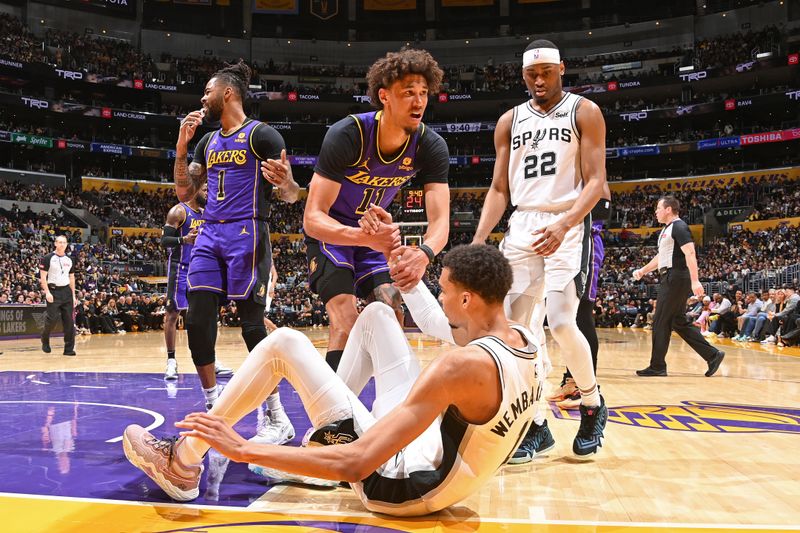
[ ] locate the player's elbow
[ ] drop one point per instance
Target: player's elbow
(354, 465)
(310, 224)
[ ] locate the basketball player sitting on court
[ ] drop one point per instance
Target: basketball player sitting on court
(433, 438)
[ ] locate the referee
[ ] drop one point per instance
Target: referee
(677, 268)
(58, 283)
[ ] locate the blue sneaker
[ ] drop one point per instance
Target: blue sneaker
(537, 441)
(590, 434)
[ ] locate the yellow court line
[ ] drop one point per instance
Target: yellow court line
(44, 514)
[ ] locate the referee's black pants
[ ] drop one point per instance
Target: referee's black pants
(670, 316)
(62, 307)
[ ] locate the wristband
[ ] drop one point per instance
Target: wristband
(428, 251)
(180, 240)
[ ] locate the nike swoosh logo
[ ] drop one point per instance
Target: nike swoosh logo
(520, 121)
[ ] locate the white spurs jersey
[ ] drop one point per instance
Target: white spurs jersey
(544, 165)
(453, 459)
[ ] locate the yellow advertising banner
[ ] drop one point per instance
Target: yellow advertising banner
(466, 3)
(117, 231)
(760, 225)
(89, 183)
(713, 181)
(275, 237)
(389, 5)
(288, 7)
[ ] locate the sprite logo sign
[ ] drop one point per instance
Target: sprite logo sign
(34, 140)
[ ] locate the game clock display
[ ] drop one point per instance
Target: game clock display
(413, 201)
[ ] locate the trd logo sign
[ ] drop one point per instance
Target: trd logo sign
(33, 103)
(694, 76)
(634, 117)
(69, 74)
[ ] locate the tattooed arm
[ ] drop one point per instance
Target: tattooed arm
(189, 177)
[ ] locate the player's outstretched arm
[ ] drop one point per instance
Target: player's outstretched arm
(430, 317)
(498, 196)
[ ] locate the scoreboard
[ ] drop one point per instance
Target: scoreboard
(413, 201)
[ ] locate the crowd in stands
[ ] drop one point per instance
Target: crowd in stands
(771, 198)
(114, 59)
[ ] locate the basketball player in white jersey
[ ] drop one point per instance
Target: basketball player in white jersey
(551, 165)
(433, 437)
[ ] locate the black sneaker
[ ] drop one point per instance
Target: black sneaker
(651, 372)
(713, 364)
(340, 432)
(537, 441)
(46, 348)
(69, 352)
(590, 434)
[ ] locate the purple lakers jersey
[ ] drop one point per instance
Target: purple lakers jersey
(236, 189)
(182, 253)
(373, 179)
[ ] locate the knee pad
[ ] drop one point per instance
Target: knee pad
(201, 326)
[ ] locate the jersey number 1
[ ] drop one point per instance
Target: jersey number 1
(221, 186)
(533, 168)
(371, 196)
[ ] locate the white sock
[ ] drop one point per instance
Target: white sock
(275, 406)
(211, 394)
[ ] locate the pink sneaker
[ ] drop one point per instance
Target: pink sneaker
(156, 458)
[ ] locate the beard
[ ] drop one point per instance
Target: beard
(201, 200)
(409, 130)
(214, 113)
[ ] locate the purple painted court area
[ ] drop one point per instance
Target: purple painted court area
(59, 424)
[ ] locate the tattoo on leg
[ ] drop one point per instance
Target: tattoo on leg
(387, 294)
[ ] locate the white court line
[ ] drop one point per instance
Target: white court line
(479, 519)
(88, 387)
(39, 382)
(158, 419)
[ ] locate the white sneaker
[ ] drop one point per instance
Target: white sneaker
(769, 340)
(222, 371)
(277, 431)
(171, 373)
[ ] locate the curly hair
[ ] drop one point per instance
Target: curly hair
(236, 75)
(395, 65)
(481, 269)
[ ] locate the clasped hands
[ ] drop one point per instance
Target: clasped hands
(406, 264)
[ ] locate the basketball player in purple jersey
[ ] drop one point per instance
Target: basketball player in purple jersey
(364, 160)
(231, 256)
(179, 234)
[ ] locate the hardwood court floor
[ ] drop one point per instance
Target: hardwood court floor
(681, 453)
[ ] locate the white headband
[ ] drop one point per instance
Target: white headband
(535, 56)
